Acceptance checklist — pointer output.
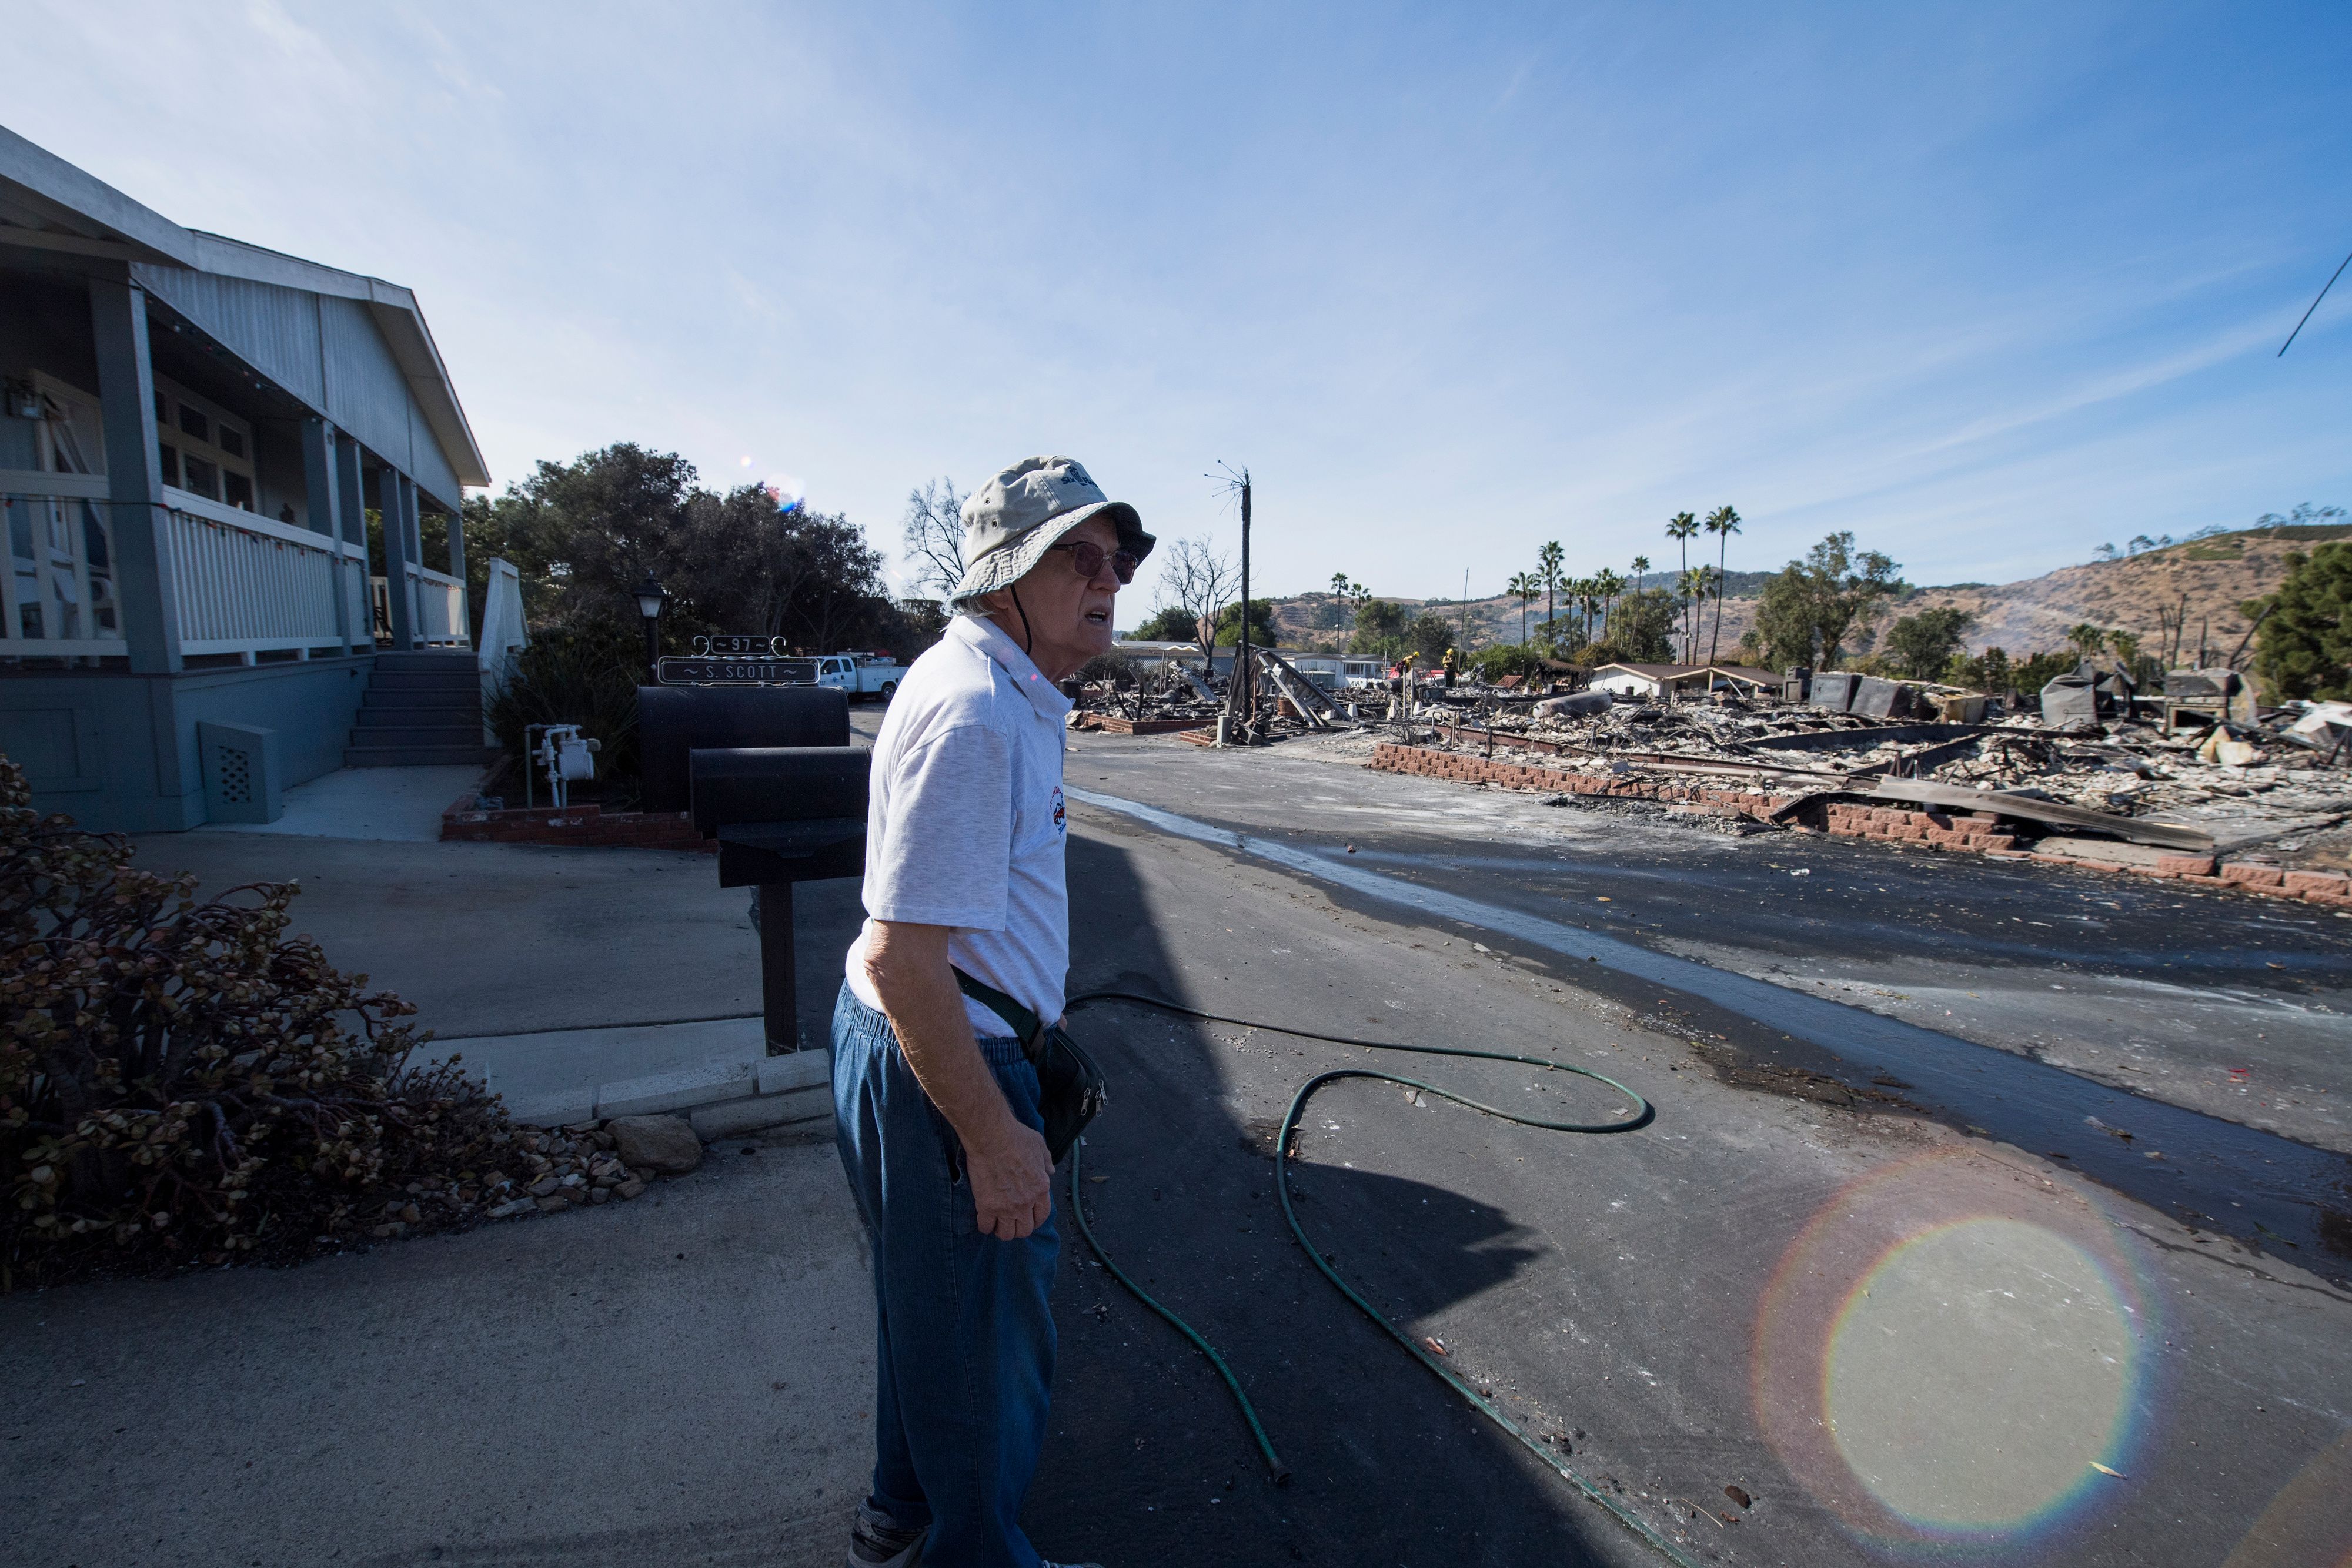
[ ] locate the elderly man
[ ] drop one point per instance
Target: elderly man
(936, 1104)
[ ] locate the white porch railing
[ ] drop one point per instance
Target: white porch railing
(440, 603)
(436, 608)
(248, 585)
(244, 584)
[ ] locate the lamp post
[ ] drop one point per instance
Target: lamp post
(650, 600)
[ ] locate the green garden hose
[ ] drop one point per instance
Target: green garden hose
(1642, 1114)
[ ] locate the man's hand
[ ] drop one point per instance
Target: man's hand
(1011, 1174)
(1011, 1184)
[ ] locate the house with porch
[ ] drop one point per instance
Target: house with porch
(194, 432)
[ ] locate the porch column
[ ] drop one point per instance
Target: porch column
(394, 515)
(415, 524)
(134, 477)
(457, 567)
(351, 504)
(351, 492)
(322, 505)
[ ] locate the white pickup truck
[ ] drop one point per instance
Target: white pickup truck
(861, 675)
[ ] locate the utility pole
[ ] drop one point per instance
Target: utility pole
(1242, 669)
(1462, 620)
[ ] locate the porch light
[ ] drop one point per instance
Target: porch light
(650, 599)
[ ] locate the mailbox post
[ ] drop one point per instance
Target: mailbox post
(769, 773)
(782, 815)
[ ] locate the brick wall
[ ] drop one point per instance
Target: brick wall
(1937, 830)
(586, 826)
(2330, 888)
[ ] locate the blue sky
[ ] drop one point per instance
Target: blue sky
(1986, 284)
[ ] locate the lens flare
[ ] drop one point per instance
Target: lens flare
(2309, 1523)
(785, 491)
(1951, 1355)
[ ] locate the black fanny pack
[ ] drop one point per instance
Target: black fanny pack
(1070, 1088)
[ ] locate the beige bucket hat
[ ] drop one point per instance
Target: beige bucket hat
(1013, 520)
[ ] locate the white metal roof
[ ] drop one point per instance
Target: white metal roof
(47, 203)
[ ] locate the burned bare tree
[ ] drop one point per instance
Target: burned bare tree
(934, 535)
(1201, 582)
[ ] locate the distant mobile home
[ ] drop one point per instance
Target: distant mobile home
(193, 430)
(1653, 682)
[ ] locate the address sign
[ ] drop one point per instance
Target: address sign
(733, 661)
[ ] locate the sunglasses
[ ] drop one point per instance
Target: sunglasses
(1089, 557)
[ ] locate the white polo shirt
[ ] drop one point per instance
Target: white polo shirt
(965, 824)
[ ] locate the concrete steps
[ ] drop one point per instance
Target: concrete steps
(419, 710)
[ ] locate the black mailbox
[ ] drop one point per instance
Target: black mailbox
(770, 773)
(782, 815)
(673, 721)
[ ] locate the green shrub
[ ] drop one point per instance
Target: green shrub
(2307, 641)
(1507, 659)
(179, 1082)
(2027, 676)
(583, 671)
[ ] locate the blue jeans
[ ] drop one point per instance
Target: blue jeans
(963, 1342)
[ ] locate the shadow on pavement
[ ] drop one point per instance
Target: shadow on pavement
(1149, 1461)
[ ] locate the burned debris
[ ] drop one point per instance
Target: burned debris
(2193, 779)
(1172, 688)
(2188, 781)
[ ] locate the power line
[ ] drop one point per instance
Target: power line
(2314, 305)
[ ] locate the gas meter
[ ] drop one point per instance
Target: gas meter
(567, 756)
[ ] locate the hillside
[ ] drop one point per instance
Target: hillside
(2204, 578)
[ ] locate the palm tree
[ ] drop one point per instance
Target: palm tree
(1608, 585)
(1683, 527)
(1548, 565)
(2087, 638)
(1722, 522)
(1524, 586)
(1691, 588)
(1641, 566)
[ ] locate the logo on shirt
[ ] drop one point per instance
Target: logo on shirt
(1060, 816)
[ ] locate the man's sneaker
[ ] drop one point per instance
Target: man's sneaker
(876, 1541)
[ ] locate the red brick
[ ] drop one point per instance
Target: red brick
(2253, 875)
(2185, 865)
(2315, 882)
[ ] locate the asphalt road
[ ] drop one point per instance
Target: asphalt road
(1893, 1335)
(2222, 1003)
